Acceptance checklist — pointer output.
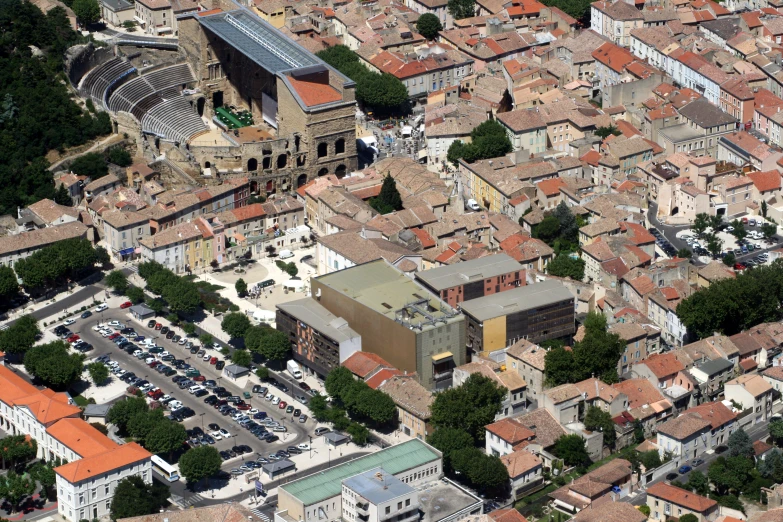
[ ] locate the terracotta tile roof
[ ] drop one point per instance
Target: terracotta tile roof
(639, 392)
(663, 364)
(684, 426)
(611, 512)
(528, 352)
(547, 428)
(776, 373)
(363, 364)
(408, 394)
(382, 376)
(642, 284)
(424, 238)
(49, 407)
(765, 181)
(80, 437)
(760, 447)
(41, 237)
(234, 512)
(754, 384)
(748, 364)
(313, 93)
(613, 56)
(507, 515)
(681, 497)
(551, 187)
(520, 462)
(97, 465)
(13, 387)
(563, 393)
(511, 431)
(715, 412)
(716, 271)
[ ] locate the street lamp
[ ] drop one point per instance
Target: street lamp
(329, 464)
(202, 418)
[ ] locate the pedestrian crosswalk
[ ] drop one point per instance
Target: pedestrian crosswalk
(189, 501)
(260, 515)
(134, 269)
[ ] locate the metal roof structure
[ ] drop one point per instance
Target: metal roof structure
(449, 276)
(328, 483)
(377, 486)
(259, 41)
(516, 300)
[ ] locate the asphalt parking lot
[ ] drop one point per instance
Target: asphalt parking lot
(205, 415)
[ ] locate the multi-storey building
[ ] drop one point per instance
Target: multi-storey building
(186, 247)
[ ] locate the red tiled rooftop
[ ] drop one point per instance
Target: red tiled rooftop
(313, 93)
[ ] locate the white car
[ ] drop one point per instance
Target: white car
(136, 353)
(114, 323)
(120, 373)
(729, 228)
(238, 415)
(69, 322)
(252, 411)
(97, 328)
(275, 401)
(164, 354)
(183, 341)
(175, 405)
(303, 446)
(101, 307)
(206, 357)
(225, 433)
(216, 435)
(149, 360)
(269, 397)
(148, 342)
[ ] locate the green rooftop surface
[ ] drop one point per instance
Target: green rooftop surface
(328, 483)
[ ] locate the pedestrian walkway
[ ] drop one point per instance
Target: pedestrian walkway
(259, 514)
(184, 502)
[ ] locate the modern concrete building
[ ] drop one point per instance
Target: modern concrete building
(472, 279)
(376, 496)
(320, 341)
(537, 312)
(397, 319)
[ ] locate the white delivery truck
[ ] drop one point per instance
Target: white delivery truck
(294, 369)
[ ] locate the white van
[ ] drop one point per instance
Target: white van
(294, 369)
(286, 254)
(473, 205)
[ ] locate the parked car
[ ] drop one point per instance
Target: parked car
(684, 469)
(126, 304)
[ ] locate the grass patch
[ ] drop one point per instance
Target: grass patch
(80, 401)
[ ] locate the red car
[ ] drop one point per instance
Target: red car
(198, 378)
(744, 221)
(213, 360)
(126, 304)
(158, 326)
(243, 406)
(113, 336)
(73, 338)
(154, 364)
(155, 394)
(739, 266)
(282, 405)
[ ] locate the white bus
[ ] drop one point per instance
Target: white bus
(164, 469)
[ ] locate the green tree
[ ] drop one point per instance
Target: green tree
(117, 281)
(119, 156)
(122, 412)
(206, 339)
(484, 472)
(449, 440)
(428, 26)
(698, 483)
(764, 209)
(241, 358)
(359, 433)
(91, 164)
(740, 444)
(469, 406)
(730, 474)
(101, 256)
(235, 324)
(569, 228)
(701, 223)
(87, 11)
(389, 199)
(638, 431)
(560, 366)
(776, 431)
(142, 424)
(548, 230)
(135, 294)
(182, 296)
(566, 266)
(9, 285)
(99, 372)
(684, 253)
(62, 197)
(375, 407)
(597, 419)
(650, 459)
(739, 230)
(134, 498)
(460, 9)
(689, 517)
(16, 449)
(339, 380)
(52, 364)
(166, 437)
(15, 487)
(319, 407)
(241, 287)
(189, 328)
(44, 475)
(645, 510)
(262, 373)
(603, 132)
(571, 448)
(20, 336)
(714, 245)
(199, 463)
(772, 466)
(729, 259)
(488, 140)
(769, 230)
(275, 345)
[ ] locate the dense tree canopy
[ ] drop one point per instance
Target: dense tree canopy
(16, 449)
(99, 372)
(199, 463)
(449, 440)
(381, 92)
(460, 9)
(571, 448)
(53, 364)
(235, 324)
(20, 336)
(484, 472)
(92, 164)
(428, 26)
(122, 412)
(15, 487)
(87, 11)
(469, 406)
(117, 281)
(271, 344)
(735, 304)
(9, 286)
(57, 263)
(37, 113)
(361, 401)
(596, 355)
(566, 266)
(488, 140)
(134, 498)
(597, 419)
(242, 358)
(579, 9)
(389, 198)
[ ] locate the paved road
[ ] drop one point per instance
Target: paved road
(755, 433)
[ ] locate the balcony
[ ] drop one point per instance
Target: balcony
(363, 508)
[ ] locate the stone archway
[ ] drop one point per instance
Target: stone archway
(252, 165)
(301, 180)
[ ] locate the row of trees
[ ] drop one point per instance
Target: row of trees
(180, 294)
(459, 415)
(362, 402)
(54, 365)
(58, 263)
(383, 93)
(488, 140)
(732, 305)
(37, 113)
(595, 355)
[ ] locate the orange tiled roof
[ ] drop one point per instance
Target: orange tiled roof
(551, 187)
(80, 437)
(681, 497)
(363, 363)
(663, 364)
(507, 515)
(48, 407)
(13, 387)
(313, 93)
(378, 379)
(765, 181)
(510, 431)
(101, 463)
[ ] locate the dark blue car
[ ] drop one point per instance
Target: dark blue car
(685, 469)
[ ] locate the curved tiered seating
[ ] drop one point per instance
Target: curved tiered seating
(134, 92)
(96, 82)
(173, 119)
